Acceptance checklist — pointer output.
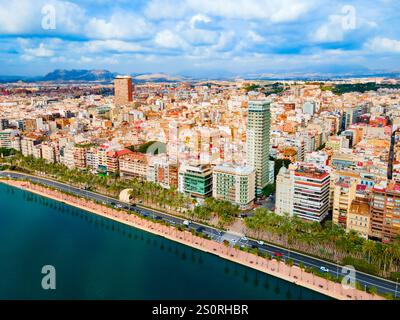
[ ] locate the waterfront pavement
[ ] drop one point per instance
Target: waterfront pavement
(382, 285)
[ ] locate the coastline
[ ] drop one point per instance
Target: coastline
(272, 267)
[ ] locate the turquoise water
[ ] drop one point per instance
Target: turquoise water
(96, 258)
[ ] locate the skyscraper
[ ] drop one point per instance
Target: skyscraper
(123, 90)
(258, 130)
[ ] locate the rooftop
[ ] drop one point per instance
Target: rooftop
(232, 169)
(359, 207)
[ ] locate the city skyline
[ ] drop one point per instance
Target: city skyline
(197, 38)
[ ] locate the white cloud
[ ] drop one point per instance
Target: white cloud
(120, 26)
(255, 37)
(272, 10)
(96, 46)
(198, 18)
(379, 44)
(169, 39)
(331, 31)
(39, 52)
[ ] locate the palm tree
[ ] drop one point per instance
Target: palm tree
(368, 248)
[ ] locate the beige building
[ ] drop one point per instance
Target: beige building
(284, 191)
(50, 153)
(359, 218)
(344, 192)
(133, 165)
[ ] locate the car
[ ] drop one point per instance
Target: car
(324, 269)
(186, 223)
(278, 254)
(244, 239)
(234, 240)
(157, 218)
(200, 229)
(113, 203)
(261, 243)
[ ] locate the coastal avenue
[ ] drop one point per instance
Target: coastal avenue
(382, 285)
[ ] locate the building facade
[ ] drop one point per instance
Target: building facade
(234, 184)
(311, 193)
(258, 136)
(123, 90)
(195, 180)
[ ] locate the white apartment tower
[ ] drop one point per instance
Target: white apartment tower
(258, 134)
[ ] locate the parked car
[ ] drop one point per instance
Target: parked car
(261, 243)
(186, 223)
(278, 254)
(244, 239)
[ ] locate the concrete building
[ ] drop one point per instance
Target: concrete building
(234, 184)
(50, 152)
(359, 218)
(28, 144)
(123, 90)
(385, 211)
(133, 166)
(311, 193)
(284, 191)
(309, 107)
(344, 192)
(6, 138)
(195, 180)
(258, 135)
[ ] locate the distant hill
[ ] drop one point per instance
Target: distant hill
(61, 75)
(78, 75)
(155, 77)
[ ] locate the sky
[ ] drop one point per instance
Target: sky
(199, 37)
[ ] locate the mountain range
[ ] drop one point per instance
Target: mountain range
(105, 76)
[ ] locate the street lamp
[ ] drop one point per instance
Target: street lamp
(395, 293)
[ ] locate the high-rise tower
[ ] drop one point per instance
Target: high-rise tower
(123, 90)
(258, 131)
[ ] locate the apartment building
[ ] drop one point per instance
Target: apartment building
(133, 166)
(385, 211)
(234, 184)
(344, 186)
(195, 180)
(284, 191)
(359, 219)
(311, 193)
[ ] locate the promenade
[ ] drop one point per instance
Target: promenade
(272, 267)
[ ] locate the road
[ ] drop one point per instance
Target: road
(382, 285)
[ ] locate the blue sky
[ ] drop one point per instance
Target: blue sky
(199, 37)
